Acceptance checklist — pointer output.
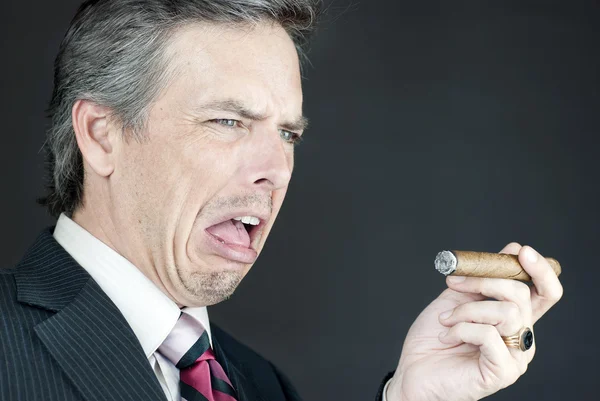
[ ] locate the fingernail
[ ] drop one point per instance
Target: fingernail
(531, 255)
(443, 334)
(446, 315)
(456, 279)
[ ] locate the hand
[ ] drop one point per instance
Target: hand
(453, 351)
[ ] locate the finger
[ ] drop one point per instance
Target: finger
(459, 298)
(488, 340)
(505, 316)
(497, 288)
(547, 288)
(511, 249)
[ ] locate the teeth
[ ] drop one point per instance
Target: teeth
(248, 220)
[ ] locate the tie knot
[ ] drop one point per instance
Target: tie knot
(187, 343)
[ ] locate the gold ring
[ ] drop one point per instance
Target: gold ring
(523, 340)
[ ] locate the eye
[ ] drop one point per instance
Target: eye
(290, 137)
(226, 122)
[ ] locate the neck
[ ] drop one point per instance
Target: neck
(99, 224)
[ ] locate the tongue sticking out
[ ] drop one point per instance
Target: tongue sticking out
(232, 232)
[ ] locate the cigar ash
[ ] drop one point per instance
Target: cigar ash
(445, 262)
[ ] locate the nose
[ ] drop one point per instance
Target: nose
(270, 165)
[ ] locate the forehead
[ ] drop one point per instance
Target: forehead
(257, 64)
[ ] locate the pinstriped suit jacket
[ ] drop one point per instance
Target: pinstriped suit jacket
(62, 339)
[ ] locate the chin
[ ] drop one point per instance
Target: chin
(211, 287)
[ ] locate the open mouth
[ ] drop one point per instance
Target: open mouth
(238, 231)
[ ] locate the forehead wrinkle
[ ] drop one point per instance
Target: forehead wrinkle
(202, 60)
(234, 106)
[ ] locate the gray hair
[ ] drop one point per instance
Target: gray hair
(114, 55)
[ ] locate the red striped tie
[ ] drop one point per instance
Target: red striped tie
(201, 376)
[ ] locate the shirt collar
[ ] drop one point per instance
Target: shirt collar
(150, 313)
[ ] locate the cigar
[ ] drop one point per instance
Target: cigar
(482, 264)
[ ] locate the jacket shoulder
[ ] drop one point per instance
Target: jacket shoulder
(21, 349)
(18, 317)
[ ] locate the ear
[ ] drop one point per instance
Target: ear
(94, 136)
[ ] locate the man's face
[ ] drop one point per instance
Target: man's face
(219, 147)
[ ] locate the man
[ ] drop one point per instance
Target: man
(171, 149)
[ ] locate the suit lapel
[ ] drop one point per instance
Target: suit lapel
(88, 336)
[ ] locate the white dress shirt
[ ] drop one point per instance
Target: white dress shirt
(149, 312)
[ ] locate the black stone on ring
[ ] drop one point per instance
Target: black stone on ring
(523, 340)
(526, 339)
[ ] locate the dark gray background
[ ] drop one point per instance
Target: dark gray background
(461, 127)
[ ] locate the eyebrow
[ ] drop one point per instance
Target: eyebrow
(236, 107)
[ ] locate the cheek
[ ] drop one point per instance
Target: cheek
(206, 174)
